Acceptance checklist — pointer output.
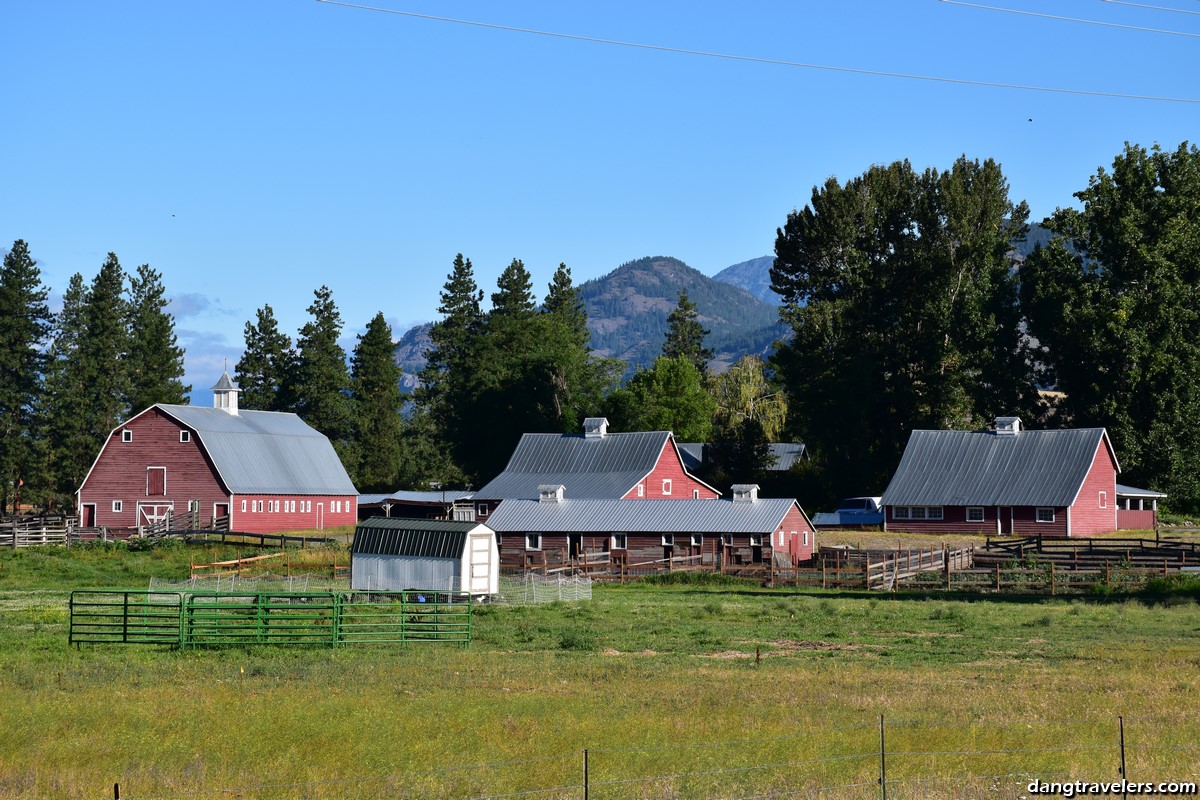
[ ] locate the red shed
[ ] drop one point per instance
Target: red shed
(1005, 481)
(267, 471)
(596, 465)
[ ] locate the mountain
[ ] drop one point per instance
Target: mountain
(410, 354)
(754, 276)
(628, 309)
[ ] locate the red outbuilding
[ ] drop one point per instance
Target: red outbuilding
(266, 471)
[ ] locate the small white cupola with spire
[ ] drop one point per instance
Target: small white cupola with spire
(225, 394)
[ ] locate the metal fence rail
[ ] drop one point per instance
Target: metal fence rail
(215, 619)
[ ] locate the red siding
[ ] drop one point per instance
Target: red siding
(669, 467)
(1016, 521)
(793, 528)
(120, 472)
(1088, 516)
(320, 514)
(1136, 519)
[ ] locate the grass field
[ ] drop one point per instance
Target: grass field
(700, 689)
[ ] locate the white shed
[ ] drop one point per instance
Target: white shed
(394, 554)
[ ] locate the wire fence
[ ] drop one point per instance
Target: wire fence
(899, 760)
(530, 588)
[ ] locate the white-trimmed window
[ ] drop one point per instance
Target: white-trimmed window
(258, 506)
(697, 540)
(308, 506)
(619, 541)
(756, 540)
(118, 506)
(1045, 515)
(666, 486)
(185, 436)
(641, 490)
(916, 512)
(804, 541)
(481, 509)
(727, 539)
(974, 513)
(668, 540)
(695, 494)
(933, 512)
(533, 541)
(193, 505)
(126, 435)
(899, 512)
(243, 506)
(1104, 499)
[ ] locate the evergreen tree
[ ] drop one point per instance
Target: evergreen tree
(265, 370)
(375, 376)
(564, 303)
(102, 357)
(514, 295)
(154, 363)
(25, 323)
(1114, 301)
(738, 453)
(69, 449)
(685, 335)
(322, 380)
(669, 396)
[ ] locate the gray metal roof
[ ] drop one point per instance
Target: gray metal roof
(1032, 468)
(422, 538)
(591, 468)
(837, 519)
(225, 384)
(786, 454)
(640, 516)
(265, 452)
(405, 496)
(1131, 491)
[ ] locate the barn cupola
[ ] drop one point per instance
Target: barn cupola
(595, 427)
(745, 492)
(225, 394)
(551, 493)
(1008, 426)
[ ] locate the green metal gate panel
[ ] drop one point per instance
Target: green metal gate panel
(117, 617)
(409, 617)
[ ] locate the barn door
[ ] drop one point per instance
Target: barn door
(87, 516)
(150, 513)
(480, 564)
(575, 545)
(156, 481)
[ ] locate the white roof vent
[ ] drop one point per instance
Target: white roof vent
(1008, 426)
(595, 427)
(745, 492)
(551, 493)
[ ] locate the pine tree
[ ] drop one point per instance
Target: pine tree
(264, 372)
(564, 303)
(685, 335)
(322, 380)
(154, 363)
(375, 376)
(25, 323)
(69, 441)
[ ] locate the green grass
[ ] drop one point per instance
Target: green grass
(687, 677)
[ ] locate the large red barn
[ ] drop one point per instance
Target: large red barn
(267, 471)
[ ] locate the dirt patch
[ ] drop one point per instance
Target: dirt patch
(783, 647)
(919, 634)
(608, 651)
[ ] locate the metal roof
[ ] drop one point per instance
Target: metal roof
(265, 452)
(786, 454)
(404, 496)
(641, 516)
(594, 468)
(1130, 491)
(421, 538)
(837, 519)
(1031, 468)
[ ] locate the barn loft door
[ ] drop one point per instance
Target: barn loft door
(156, 481)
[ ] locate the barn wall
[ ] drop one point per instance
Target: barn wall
(397, 573)
(120, 471)
(274, 521)
(669, 466)
(1087, 516)
(793, 528)
(954, 521)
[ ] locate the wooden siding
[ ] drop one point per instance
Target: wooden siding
(793, 528)
(1129, 519)
(1016, 521)
(120, 472)
(668, 467)
(319, 517)
(1087, 516)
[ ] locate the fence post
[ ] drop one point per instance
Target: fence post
(1124, 777)
(1052, 579)
(585, 774)
(882, 760)
(997, 577)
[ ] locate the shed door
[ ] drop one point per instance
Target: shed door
(481, 566)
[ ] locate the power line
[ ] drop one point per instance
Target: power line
(772, 61)
(1064, 19)
(1152, 8)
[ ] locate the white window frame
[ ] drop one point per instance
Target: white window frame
(641, 490)
(619, 541)
(185, 436)
(756, 540)
(243, 506)
(193, 505)
(975, 514)
(481, 509)
(668, 540)
(697, 540)
(533, 541)
(1038, 514)
(1104, 499)
(934, 512)
(118, 506)
(126, 435)
(727, 539)
(695, 494)
(901, 512)
(804, 541)
(666, 489)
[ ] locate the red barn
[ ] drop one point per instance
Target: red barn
(743, 530)
(595, 465)
(267, 471)
(1005, 481)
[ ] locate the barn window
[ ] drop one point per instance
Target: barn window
(118, 506)
(695, 494)
(668, 540)
(756, 540)
(974, 513)
(243, 506)
(185, 436)
(126, 435)
(481, 509)
(1045, 515)
(1104, 499)
(933, 512)
(697, 540)
(193, 505)
(641, 490)
(900, 512)
(533, 541)
(666, 486)
(727, 539)
(804, 541)
(620, 541)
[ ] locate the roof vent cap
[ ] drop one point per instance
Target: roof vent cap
(1008, 426)
(595, 427)
(551, 493)
(745, 492)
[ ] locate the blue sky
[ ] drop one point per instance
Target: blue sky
(252, 150)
